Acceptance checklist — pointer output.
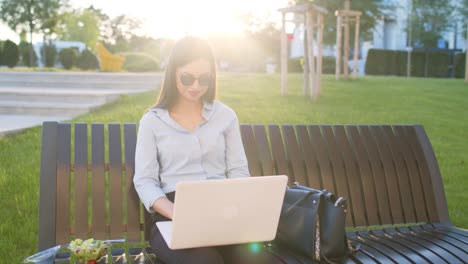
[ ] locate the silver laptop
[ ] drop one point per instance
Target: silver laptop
(223, 212)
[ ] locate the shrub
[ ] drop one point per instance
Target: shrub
(402, 63)
(460, 65)
(328, 65)
(68, 57)
(10, 54)
(26, 50)
(438, 64)
(376, 62)
(49, 54)
(87, 60)
(140, 62)
(295, 65)
(418, 60)
(1, 53)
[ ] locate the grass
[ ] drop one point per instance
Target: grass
(440, 105)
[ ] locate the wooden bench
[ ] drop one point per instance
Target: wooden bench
(389, 173)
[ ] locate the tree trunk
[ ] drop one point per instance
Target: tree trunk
(31, 50)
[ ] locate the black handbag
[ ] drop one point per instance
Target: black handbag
(312, 223)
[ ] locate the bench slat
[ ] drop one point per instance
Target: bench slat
(378, 176)
(310, 158)
(132, 200)
(429, 196)
(397, 253)
(318, 143)
(442, 248)
(115, 182)
(294, 154)
(357, 205)
(403, 178)
(417, 244)
(408, 250)
(457, 244)
(266, 162)
(390, 176)
(375, 253)
(81, 181)
(98, 181)
(339, 175)
(279, 155)
(63, 183)
(251, 150)
(413, 174)
(367, 180)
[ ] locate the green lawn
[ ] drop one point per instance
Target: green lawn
(440, 105)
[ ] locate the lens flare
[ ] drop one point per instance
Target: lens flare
(254, 247)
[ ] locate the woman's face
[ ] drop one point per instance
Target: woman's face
(193, 80)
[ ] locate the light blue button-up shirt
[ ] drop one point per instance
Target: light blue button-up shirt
(167, 153)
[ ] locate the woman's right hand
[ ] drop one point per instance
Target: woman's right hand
(164, 207)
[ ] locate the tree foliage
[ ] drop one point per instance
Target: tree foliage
(117, 32)
(38, 16)
(428, 20)
(372, 11)
(34, 15)
(81, 25)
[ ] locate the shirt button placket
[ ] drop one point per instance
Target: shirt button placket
(200, 152)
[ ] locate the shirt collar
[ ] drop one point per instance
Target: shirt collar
(163, 114)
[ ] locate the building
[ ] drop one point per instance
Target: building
(390, 32)
(59, 45)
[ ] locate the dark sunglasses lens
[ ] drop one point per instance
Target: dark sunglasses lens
(204, 80)
(187, 79)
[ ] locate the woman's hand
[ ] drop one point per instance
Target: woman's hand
(164, 207)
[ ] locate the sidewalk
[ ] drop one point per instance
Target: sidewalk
(27, 99)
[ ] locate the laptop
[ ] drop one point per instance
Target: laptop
(224, 212)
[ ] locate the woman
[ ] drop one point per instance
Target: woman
(188, 136)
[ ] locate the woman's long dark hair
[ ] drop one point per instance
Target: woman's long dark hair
(185, 51)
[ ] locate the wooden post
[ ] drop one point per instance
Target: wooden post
(346, 47)
(319, 53)
(356, 47)
(466, 55)
(310, 41)
(338, 47)
(284, 57)
(305, 81)
(347, 7)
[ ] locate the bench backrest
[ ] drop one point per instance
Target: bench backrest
(389, 174)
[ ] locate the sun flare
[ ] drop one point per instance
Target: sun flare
(177, 18)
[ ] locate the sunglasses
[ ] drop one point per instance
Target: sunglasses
(188, 79)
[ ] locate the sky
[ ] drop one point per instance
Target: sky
(176, 18)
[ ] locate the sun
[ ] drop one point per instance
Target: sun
(175, 19)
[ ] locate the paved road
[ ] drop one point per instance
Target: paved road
(29, 98)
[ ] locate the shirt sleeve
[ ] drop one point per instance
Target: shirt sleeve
(146, 178)
(236, 161)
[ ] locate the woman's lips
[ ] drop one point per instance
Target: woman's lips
(194, 93)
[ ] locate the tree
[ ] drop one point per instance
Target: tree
(428, 20)
(372, 11)
(463, 13)
(265, 33)
(118, 31)
(81, 25)
(35, 15)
